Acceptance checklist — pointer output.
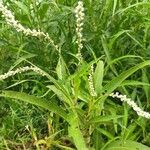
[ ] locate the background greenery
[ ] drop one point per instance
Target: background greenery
(116, 31)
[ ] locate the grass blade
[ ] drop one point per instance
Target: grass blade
(114, 83)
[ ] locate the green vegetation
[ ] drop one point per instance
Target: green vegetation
(74, 77)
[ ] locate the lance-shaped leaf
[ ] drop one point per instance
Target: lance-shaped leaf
(98, 77)
(126, 145)
(114, 83)
(51, 106)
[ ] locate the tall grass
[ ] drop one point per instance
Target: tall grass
(68, 96)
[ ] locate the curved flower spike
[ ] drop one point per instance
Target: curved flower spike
(131, 103)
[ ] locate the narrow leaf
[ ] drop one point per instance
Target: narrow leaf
(60, 94)
(126, 145)
(114, 83)
(102, 119)
(61, 69)
(106, 133)
(98, 76)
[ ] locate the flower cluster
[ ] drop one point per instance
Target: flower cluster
(131, 103)
(79, 14)
(10, 20)
(21, 70)
(91, 84)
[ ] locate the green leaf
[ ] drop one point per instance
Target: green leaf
(23, 7)
(116, 60)
(36, 101)
(136, 41)
(57, 83)
(126, 145)
(115, 37)
(21, 59)
(134, 83)
(61, 69)
(106, 133)
(75, 133)
(146, 88)
(131, 7)
(83, 95)
(98, 76)
(103, 119)
(114, 83)
(113, 112)
(60, 94)
(43, 10)
(82, 70)
(114, 7)
(107, 53)
(76, 86)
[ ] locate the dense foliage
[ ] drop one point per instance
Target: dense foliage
(59, 78)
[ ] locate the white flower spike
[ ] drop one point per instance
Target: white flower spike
(91, 83)
(131, 103)
(10, 20)
(21, 70)
(79, 14)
